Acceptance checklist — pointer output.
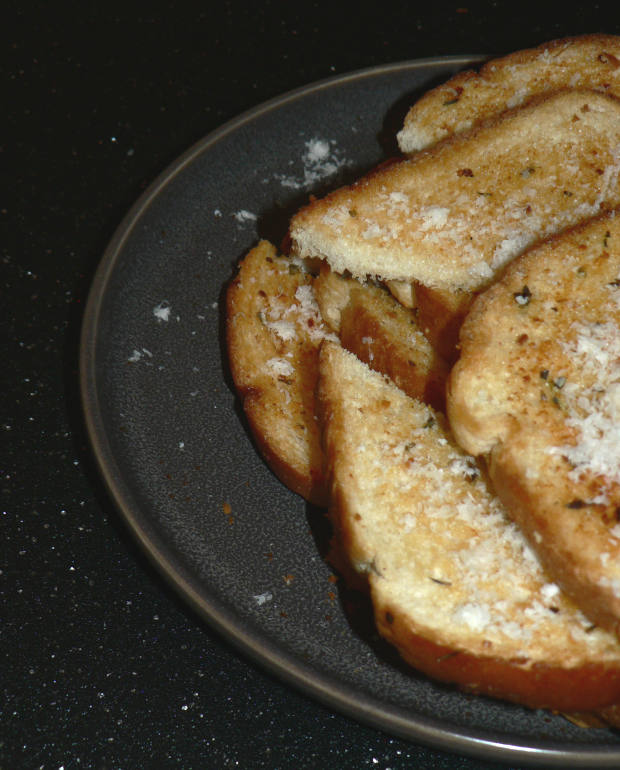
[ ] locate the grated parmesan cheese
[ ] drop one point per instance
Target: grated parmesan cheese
(321, 160)
(280, 367)
(594, 410)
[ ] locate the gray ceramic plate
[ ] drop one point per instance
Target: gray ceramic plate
(174, 449)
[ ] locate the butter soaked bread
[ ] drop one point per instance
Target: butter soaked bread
(587, 61)
(453, 216)
(454, 584)
(274, 330)
(537, 390)
(383, 334)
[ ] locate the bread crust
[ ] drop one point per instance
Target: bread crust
(454, 215)
(586, 61)
(540, 685)
(534, 390)
(273, 337)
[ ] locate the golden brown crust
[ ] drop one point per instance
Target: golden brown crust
(587, 61)
(273, 341)
(586, 688)
(535, 389)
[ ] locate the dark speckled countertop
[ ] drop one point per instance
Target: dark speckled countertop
(103, 665)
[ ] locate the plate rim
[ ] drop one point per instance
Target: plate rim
(287, 668)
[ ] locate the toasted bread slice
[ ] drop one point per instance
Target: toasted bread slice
(537, 389)
(451, 217)
(454, 584)
(274, 330)
(588, 61)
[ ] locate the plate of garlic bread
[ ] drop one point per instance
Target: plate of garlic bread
(324, 510)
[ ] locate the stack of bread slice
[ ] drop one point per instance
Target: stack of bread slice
(474, 485)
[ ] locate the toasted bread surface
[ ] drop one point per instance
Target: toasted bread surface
(451, 217)
(536, 389)
(587, 61)
(274, 331)
(454, 584)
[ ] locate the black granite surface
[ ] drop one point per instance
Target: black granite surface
(102, 665)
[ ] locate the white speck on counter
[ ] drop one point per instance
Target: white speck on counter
(136, 355)
(162, 311)
(263, 598)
